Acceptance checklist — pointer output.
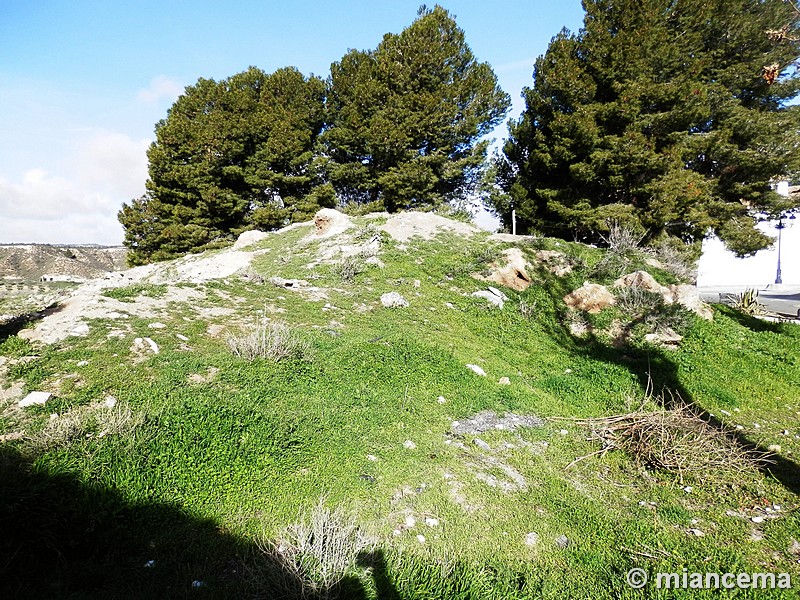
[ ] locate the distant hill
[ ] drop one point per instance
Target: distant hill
(31, 262)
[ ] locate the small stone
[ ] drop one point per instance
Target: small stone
(35, 399)
(739, 427)
(563, 431)
(149, 564)
(421, 539)
(198, 584)
(110, 401)
(431, 522)
(562, 541)
(417, 283)
(531, 539)
(396, 532)
(504, 381)
(410, 522)
(774, 448)
(481, 444)
(567, 371)
(776, 506)
(756, 425)
(757, 519)
(688, 489)
(181, 337)
(82, 363)
(477, 370)
(372, 457)
(157, 325)
(693, 521)
(785, 432)
(441, 400)
(725, 412)
(696, 533)
(409, 444)
(736, 410)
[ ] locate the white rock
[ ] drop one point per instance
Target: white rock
(79, 330)
(531, 539)
(481, 444)
(152, 344)
(477, 370)
(393, 300)
(757, 519)
(774, 448)
(35, 399)
(441, 400)
(372, 457)
(489, 297)
(421, 539)
(504, 381)
(110, 402)
(409, 444)
(756, 425)
(410, 522)
(181, 337)
(563, 431)
(157, 325)
(431, 522)
(82, 363)
(149, 564)
(248, 238)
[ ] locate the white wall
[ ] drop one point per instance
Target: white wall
(717, 266)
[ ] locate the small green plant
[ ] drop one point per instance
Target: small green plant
(349, 267)
(270, 340)
(131, 292)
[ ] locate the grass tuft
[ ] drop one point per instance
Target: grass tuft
(269, 340)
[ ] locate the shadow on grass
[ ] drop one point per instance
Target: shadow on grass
(18, 323)
(656, 370)
(61, 537)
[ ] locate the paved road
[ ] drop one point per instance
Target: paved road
(784, 300)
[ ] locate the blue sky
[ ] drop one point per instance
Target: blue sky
(82, 84)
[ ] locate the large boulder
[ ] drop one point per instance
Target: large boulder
(329, 222)
(590, 297)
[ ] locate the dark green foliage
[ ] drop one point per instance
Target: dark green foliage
(658, 115)
(231, 155)
(405, 118)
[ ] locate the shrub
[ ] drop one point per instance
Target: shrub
(319, 550)
(269, 340)
(349, 267)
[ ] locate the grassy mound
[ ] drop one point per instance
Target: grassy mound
(342, 466)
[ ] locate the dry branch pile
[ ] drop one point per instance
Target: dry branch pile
(675, 440)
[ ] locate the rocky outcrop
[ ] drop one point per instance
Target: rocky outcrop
(685, 295)
(329, 222)
(511, 271)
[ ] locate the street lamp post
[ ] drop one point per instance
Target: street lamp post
(778, 279)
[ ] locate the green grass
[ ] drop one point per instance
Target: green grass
(228, 452)
(131, 292)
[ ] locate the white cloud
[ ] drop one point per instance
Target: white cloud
(160, 88)
(79, 203)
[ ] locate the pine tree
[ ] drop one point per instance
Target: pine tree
(667, 116)
(405, 119)
(230, 155)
